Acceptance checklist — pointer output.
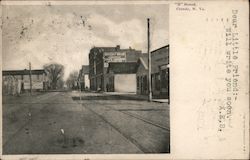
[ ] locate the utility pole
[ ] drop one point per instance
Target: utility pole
(30, 78)
(149, 65)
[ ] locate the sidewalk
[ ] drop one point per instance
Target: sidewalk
(135, 96)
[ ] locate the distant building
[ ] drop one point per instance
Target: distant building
(159, 73)
(84, 78)
(99, 59)
(17, 81)
(121, 77)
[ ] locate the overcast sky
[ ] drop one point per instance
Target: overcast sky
(65, 34)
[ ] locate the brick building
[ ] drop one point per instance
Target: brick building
(99, 59)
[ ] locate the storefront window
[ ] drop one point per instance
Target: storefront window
(138, 82)
(164, 78)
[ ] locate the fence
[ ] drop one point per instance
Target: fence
(11, 85)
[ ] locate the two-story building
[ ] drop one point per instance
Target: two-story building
(99, 59)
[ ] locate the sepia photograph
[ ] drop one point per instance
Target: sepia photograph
(85, 79)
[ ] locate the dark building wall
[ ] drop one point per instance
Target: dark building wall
(95, 67)
(91, 63)
(159, 57)
(160, 72)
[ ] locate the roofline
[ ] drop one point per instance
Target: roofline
(121, 62)
(143, 63)
(160, 48)
(23, 70)
(102, 47)
(95, 47)
(117, 46)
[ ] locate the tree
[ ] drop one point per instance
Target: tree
(72, 81)
(55, 74)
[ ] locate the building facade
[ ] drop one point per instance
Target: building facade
(159, 73)
(99, 59)
(83, 78)
(18, 81)
(121, 77)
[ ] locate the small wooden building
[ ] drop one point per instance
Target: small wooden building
(18, 81)
(121, 77)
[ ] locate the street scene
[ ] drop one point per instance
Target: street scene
(85, 79)
(59, 122)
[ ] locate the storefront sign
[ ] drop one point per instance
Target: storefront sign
(35, 85)
(114, 57)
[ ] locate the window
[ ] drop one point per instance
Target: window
(164, 79)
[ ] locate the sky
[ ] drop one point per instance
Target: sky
(64, 34)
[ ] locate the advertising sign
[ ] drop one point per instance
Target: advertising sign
(114, 57)
(35, 85)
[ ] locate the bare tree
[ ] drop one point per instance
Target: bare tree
(72, 81)
(55, 73)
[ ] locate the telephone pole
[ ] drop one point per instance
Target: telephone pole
(30, 78)
(149, 65)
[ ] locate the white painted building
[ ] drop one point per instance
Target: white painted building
(122, 77)
(83, 78)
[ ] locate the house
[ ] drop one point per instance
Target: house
(83, 78)
(18, 81)
(99, 59)
(121, 77)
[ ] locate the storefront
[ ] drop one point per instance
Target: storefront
(164, 81)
